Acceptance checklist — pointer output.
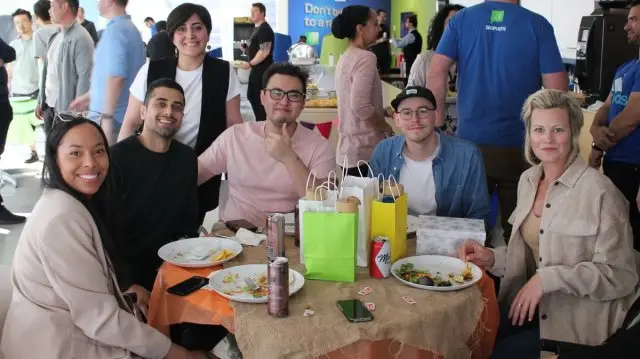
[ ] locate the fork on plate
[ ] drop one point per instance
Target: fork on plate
(251, 284)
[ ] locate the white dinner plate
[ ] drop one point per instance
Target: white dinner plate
(179, 252)
(438, 264)
(230, 282)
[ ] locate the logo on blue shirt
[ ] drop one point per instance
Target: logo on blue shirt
(497, 17)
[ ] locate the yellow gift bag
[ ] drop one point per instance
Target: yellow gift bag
(389, 218)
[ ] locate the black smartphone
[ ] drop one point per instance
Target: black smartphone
(241, 223)
(188, 286)
(355, 311)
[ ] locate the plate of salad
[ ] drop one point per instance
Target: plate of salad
(436, 273)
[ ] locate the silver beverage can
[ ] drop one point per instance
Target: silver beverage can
(278, 295)
(275, 236)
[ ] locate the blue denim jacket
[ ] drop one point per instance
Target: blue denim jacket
(458, 173)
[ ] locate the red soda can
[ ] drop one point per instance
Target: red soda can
(380, 259)
(278, 295)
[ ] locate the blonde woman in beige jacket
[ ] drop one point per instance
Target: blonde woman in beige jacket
(65, 303)
(569, 271)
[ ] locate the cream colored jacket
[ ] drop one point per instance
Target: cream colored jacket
(64, 305)
(587, 262)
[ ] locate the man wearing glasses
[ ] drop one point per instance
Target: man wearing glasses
(269, 162)
(443, 175)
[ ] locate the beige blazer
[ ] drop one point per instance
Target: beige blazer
(587, 262)
(64, 305)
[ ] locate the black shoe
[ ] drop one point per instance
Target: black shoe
(7, 217)
(33, 159)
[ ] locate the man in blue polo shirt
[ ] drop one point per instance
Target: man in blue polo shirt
(119, 55)
(504, 53)
(615, 132)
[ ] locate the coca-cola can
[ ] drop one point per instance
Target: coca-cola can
(275, 236)
(278, 296)
(380, 259)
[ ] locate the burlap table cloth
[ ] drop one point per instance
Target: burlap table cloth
(438, 322)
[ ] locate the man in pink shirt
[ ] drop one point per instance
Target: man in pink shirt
(269, 162)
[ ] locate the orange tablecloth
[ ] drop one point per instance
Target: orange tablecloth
(205, 307)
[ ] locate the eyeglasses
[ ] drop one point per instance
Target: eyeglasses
(422, 113)
(69, 116)
(293, 95)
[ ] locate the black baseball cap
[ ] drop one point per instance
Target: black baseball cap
(414, 91)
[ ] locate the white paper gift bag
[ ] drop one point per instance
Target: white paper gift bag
(443, 235)
(327, 204)
(365, 189)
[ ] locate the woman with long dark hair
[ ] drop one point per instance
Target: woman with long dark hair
(65, 293)
(418, 74)
(360, 109)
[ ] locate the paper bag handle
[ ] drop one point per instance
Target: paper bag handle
(319, 202)
(335, 180)
(391, 187)
(306, 187)
(368, 166)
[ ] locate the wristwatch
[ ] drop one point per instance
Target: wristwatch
(595, 147)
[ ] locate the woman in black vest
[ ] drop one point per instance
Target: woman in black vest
(212, 104)
(212, 90)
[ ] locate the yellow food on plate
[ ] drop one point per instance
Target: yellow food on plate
(222, 255)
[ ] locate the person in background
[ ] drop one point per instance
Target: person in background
(211, 87)
(504, 53)
(381, 46)
(7, 55)
(261, 55)
(418, 71)
(64, 273)
(269, 161)
(88, 25)
(160, 46)
(443, 175)
(44, 32)
(569, 270)
(411, 43)
(302, 39)
(23, 73)
(67, 68)
(616, 137)
(150, 23)
(118, 58)
(362, 125)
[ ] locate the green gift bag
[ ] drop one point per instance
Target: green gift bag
(330, 244)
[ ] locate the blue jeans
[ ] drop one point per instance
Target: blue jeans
(517, 342)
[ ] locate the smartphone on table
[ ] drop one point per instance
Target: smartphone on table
(355, 311)
(188, 286)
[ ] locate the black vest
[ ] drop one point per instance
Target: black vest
(412, 51)
(213, 115)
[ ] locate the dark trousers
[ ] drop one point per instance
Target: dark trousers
(6, 116)
(517, 342)
(626, 176)
(253, 93)
(197, 336)
(49, 114)
(503, 167)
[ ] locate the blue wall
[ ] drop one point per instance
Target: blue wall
(313, 17)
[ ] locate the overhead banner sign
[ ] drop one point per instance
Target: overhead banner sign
(313, 18)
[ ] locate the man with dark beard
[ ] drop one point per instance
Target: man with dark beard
(156, 178)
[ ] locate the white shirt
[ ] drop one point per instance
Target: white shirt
(418, 182)
(52, 84)
(24, 80)
(191, 82)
